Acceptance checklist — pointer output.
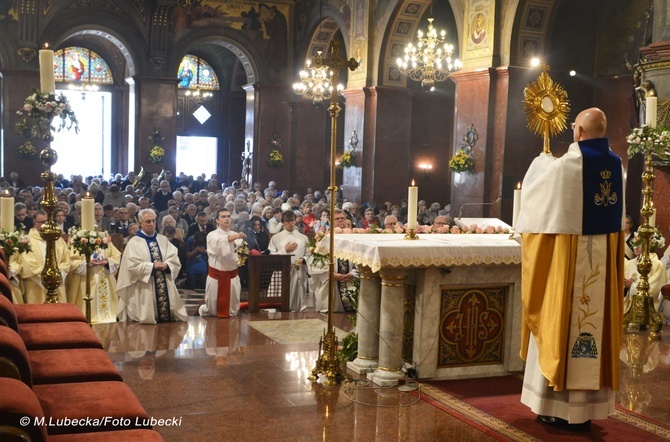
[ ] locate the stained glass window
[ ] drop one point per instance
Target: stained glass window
(76, 64)
(196, 73)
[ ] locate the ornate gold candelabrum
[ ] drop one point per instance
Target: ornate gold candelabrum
(642, 314)
(50, 232)
(89, 296)
(328, 363)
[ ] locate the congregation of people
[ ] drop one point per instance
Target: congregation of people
(182, 232)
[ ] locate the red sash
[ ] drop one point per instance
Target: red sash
(223, 293)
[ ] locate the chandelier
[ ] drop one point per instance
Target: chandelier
(316, 81)
(428, 62)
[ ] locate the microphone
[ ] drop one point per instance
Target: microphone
(460, 211)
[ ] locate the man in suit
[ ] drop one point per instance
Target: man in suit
(120, 226)
(21, 220)
(201, 224)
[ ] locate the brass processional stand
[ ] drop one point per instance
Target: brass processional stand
(50, 232)
(326, 72)
(642, 314)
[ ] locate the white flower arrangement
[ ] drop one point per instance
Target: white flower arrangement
(649, 140)
(88, 241)
(14, 242)
(656, 241)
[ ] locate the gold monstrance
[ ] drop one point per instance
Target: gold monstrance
(546, 105)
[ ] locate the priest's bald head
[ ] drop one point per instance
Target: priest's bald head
(590, 123)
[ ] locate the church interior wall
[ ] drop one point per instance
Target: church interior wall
(398, 127)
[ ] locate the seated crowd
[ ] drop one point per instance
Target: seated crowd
(185, 211)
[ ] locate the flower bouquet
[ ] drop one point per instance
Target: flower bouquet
(462, 161)
(156, 154)
(275, 158)
(647, 139)
(348, 159)
(39, 112)
(27, 150)
(87, 242)
(320, 260)
(656, 241)
(14, 242)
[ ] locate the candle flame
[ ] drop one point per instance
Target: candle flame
(46, 45)
(518, 185)
(413, 183)
(88, 194)
(6, 192)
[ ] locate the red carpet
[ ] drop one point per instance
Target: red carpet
(493, 406)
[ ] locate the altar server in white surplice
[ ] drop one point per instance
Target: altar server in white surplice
(104, 265)
(29, 266)
(222, 291)
(345, 271)
(290, 241)
(146, 287)
(571, 220)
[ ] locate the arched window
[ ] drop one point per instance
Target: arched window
(81, 65)
(196, 73)
(80, 72)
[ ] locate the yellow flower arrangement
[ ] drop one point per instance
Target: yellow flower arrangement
(156, 154)
(275, 158)
(462, 161)
(27, 150)
(348, 159)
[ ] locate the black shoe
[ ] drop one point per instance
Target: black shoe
(563, 424)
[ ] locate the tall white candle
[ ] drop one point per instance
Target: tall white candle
(7, 212)
(650, 115)
(517, 205)
(47, 82)
(412, 206)
(652, 218)
(87, 213)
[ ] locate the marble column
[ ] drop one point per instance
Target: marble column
(390, 328)
(367, 322)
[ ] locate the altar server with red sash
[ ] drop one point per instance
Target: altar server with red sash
(571, 220)
(222, 290)
(146, 285)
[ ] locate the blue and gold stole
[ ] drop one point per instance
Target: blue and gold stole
(160, 281)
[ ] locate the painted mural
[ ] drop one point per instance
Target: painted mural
(267, 19)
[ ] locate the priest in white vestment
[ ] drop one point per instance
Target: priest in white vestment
(29, 266)
(657, 277)
(291, 242)
(571, 220)
(146, 284)
(223, 288)
(104, 265)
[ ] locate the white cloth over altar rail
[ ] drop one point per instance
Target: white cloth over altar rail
(388, 263)
(381, 250)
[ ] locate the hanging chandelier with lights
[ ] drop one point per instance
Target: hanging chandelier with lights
(430, 60)
(316, 81)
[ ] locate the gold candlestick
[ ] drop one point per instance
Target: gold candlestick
(89, 296)
(50, 232)
(327, 363)
(642, 314)
(411, 234)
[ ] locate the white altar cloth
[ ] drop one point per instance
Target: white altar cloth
(389, 250)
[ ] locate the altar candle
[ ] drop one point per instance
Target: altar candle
(650, 116)
(412, 206)
(7, 212)
(517, 205)
(87, 212)
(47, 82)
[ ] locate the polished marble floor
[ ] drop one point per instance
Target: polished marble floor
(221, 379)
